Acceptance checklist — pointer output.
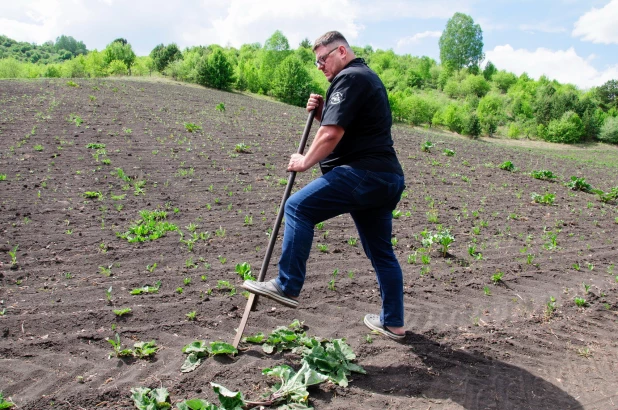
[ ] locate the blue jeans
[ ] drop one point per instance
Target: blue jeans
(369, 197)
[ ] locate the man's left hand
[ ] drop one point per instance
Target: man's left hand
(297, 163)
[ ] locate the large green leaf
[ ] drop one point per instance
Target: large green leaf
(229, 400)
(196, 404)
(222, 348)
(198, 346)
(191, 363)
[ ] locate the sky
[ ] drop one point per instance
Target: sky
(572, 41)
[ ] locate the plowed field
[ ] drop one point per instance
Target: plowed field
(473, 342)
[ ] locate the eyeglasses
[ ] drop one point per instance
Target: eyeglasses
(321, 61)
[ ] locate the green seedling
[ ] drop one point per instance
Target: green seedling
(486, 291)
(5, 404)
(179, 290)
(93, 194)
(241, 147)
(108, 295)
(322, 247)
(579, 184)
(580, 302)
(122, 312)
(507, 166)
(191, 316)
(497, 277)
(331, 283)
(319, 226)
(154, 399)
(222, 259)
(199, 350)
(190, 127)
(187, 281)
(427, 146)
(151, 226)
(144, 350)
(13, 255)
(151, 268)
(394, 242)
(396, 213)
(543, 174)
(117, 346)
(244, 271)
(550, 308)
(106, 270)
(473, 252)
(586, 288)
(352, 241)
(147, 289)
(220, 107)
(248, 220)
(547, 199)
(448, 152)
(2, 177)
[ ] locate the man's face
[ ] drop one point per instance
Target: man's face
(330, 59)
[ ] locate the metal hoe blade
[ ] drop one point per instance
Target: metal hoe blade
(273, 236)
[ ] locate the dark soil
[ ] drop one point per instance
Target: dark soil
(464, 349)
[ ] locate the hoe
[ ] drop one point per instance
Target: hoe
(252, 302)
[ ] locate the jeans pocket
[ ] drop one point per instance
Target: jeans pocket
(373, 191)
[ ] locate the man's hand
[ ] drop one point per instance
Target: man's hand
(297, 163)
(316, 102)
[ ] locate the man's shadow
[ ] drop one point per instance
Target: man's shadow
(470, 379)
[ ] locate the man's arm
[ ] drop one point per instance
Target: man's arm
(325, 141)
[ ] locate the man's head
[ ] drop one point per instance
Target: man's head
(332, 53)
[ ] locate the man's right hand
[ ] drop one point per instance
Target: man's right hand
(316, 102)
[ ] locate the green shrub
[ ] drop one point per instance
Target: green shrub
(568, 130)
(216, 71)
(514, 131)
(11, 68)
(504, 80)
(489, 112)
(475, 85)
(472, 126)
(451, 117)
(52, 71)
(609, 130)
(117, 67)
(291, 82)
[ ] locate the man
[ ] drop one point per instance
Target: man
(361, 176)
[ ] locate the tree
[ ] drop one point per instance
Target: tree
(461, 43)
(216, 71)
(163, 55)
(68, 43)
(608, 94)
(277, 42)
(489, 70)
(291, 82)
(116, 50)
(489, 112)
(305, 44)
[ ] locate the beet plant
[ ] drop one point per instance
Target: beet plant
(579, 184)
(543, 174)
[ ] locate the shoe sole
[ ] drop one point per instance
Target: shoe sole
(381, 329)
(270, 295)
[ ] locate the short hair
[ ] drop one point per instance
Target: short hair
(329, 38)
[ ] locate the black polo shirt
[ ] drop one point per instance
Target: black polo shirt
(357, 101)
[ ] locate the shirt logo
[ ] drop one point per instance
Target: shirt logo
(336, 98)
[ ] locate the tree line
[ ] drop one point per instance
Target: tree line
(457, 94)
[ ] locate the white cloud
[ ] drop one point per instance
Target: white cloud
(599, 25)
(562, 65)
(415, 39)
(372, 10)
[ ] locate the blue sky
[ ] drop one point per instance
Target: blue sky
(573, 41)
